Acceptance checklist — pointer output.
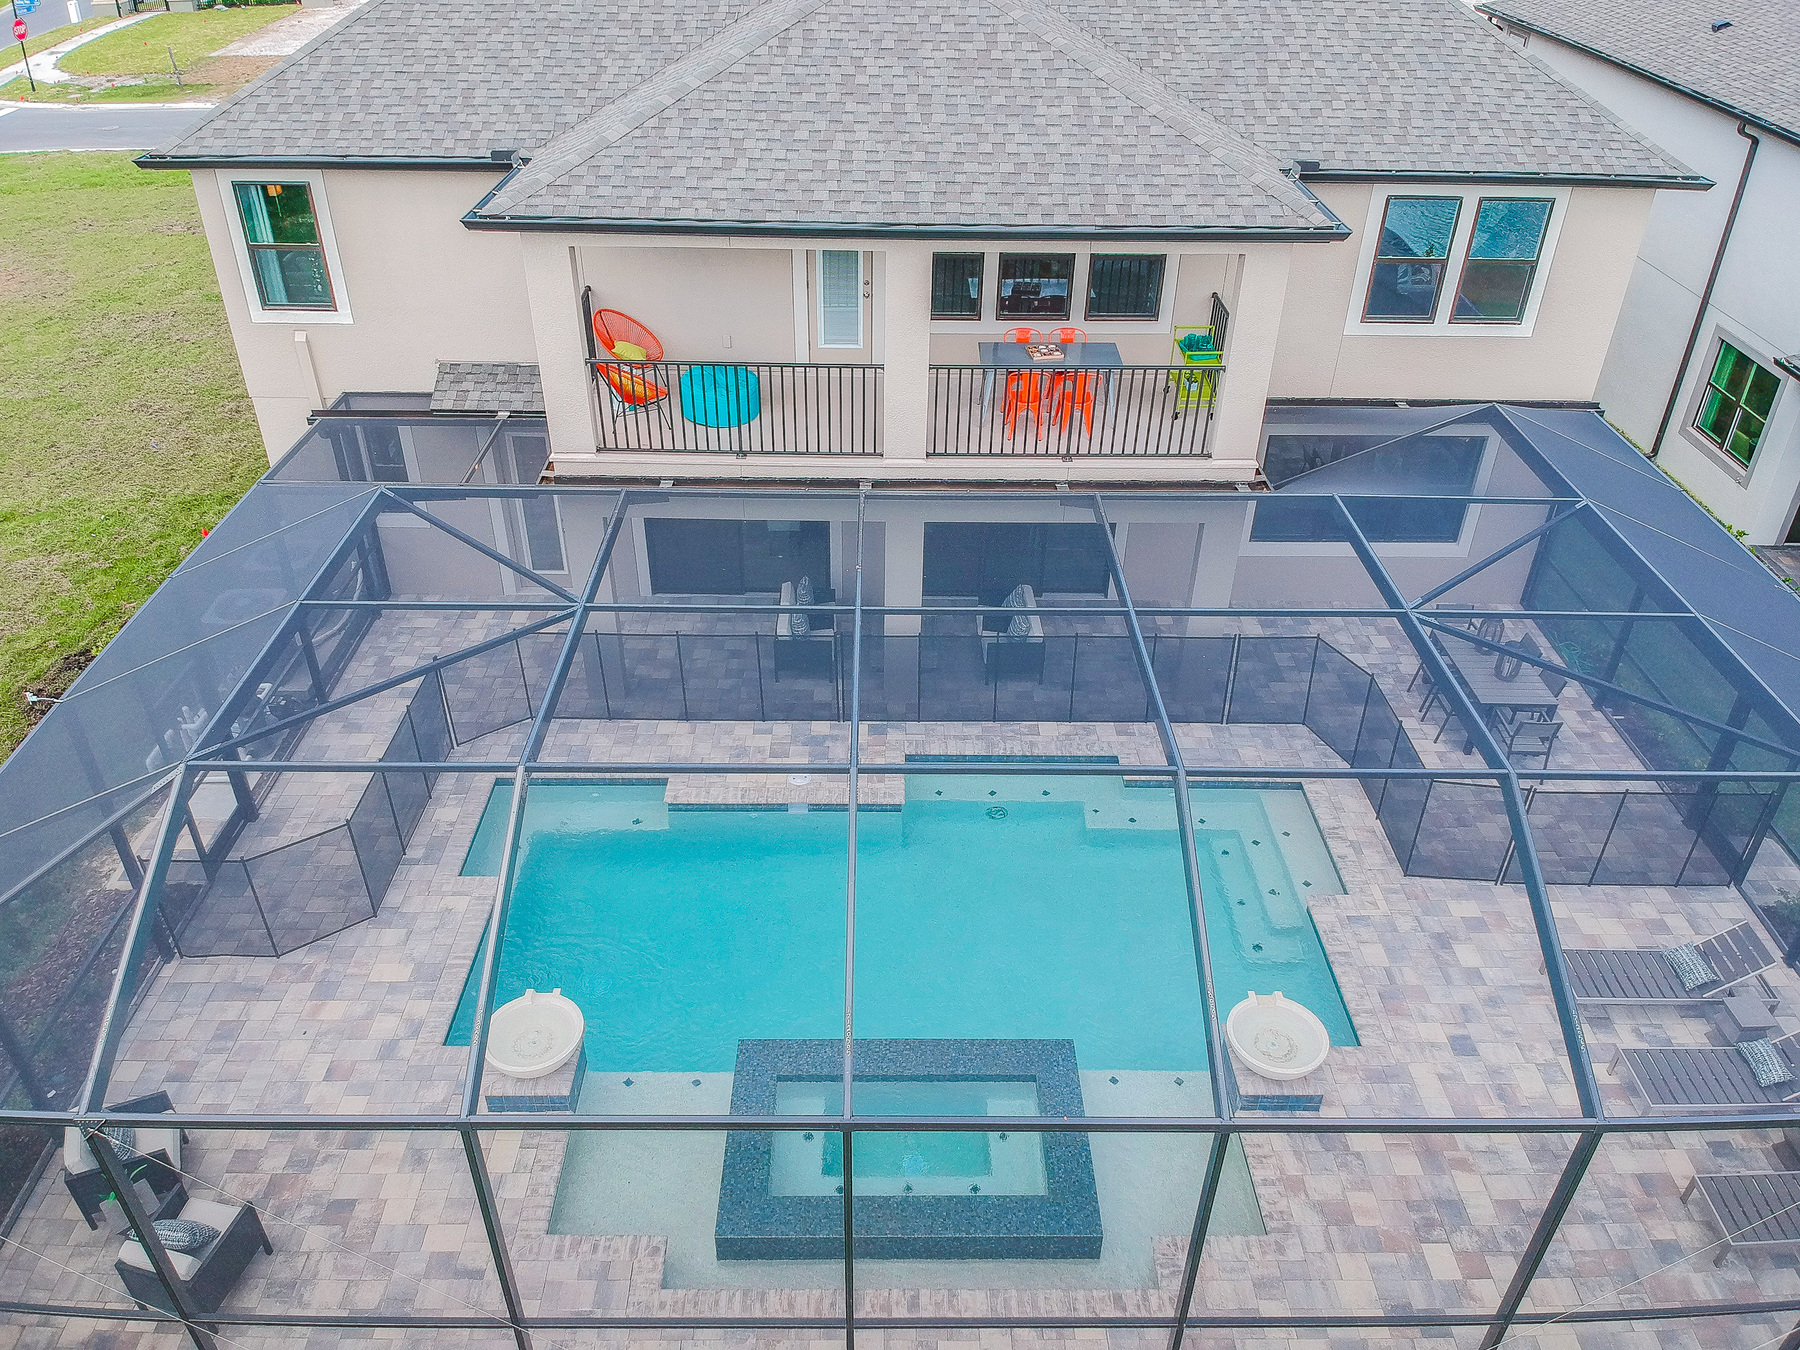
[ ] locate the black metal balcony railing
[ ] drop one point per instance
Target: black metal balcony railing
(1070, 412)
(739, 408)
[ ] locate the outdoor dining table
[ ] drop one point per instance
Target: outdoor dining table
(1475, 669)
(1076, 356)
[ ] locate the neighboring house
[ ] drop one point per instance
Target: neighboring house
(822, 208)
(1703, 366)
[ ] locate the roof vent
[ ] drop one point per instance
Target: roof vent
(1720, 25)
(502, 156)
(1306, 166)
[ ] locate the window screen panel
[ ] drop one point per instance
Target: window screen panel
(1125, 286)
(1504, 247)
(1410, 257)
(956, 285)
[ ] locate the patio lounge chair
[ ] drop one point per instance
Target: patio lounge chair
(1002, 653)
(1750, 1209)
(806, 639)
(208, 1275)
(1645, 975)
(88, 1185)
(1703, 1078)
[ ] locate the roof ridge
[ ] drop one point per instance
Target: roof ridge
(649, 97)
(1236, 152)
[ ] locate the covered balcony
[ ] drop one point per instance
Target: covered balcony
(904, 355)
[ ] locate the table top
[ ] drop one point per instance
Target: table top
(1476, 667)
(1013, 356)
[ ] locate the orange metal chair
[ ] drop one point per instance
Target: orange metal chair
(1069, 334)
(1022, 335)
(612, 326)
(1072, 392)
(1024, 394)
(630, 388)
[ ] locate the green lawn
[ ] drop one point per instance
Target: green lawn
(141, 53)
(49, 37)
(124, 426)
(143, 48)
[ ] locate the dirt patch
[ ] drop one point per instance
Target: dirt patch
(226, 73)
(55, 682)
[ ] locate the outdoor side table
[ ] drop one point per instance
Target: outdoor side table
(1743, 1016)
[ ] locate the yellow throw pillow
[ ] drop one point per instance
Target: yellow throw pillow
(629, 351)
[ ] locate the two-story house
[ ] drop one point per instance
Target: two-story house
(814, 239)
(1704, 360)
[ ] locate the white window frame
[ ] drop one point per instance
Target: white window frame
(334, 267)
(862, 285)
(991, 323)
(1440, 326)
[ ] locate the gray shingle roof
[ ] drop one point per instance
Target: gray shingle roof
(487, 386)
(1751, 67)
(1001, 113)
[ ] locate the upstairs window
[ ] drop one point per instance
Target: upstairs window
(1125, 285)
(1035, 285)
(1410, 257)
(1502, 260)
(287, 254)
(956, 285)
(1734, 410)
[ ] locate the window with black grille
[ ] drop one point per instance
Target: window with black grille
(956, 285)
(1125, 285)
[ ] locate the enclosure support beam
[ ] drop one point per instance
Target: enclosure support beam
(490, 1220)
(137, 937)
(1218, 1066)
(1581, 1066)
(145, 1232)
(1548, 1224)
(1203, 1212)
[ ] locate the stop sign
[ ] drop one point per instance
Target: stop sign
(19, 30)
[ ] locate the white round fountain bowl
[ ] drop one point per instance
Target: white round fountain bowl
(535, 1034)
(1277, 1037)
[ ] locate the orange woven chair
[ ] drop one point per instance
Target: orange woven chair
(1024, 394)
(1069, 334)
(612, 326)
(1072, 392)
(630, 388)
(1022, 335)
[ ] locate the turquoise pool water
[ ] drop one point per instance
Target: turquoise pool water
(987, 907)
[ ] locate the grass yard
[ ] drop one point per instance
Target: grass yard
(140, 53)
(124, 426)
(143, 48)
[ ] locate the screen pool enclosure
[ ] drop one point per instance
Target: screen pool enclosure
(904, 854)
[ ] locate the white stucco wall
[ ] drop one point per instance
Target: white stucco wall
(420, 289)
(1558, 357)
(1755, 303)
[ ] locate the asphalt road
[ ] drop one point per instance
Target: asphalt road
(118, 126)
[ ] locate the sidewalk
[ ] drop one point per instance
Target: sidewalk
(43, 64)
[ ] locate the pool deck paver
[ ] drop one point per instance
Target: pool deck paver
(1441, 977)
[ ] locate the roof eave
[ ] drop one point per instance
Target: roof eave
(1691, 182)
(154, 160)
(1789, 134)
(847, 230)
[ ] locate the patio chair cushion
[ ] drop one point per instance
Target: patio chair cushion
(1015, 598)
(185, 1235)
(798, 624)
(803, 591)
(1019, 629)
(132, 1253)
(1690, 966)
(629, 351)
(1768, 1063)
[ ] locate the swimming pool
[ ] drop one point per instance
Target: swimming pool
(988, 907)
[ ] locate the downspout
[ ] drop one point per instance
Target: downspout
(1712, 277)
